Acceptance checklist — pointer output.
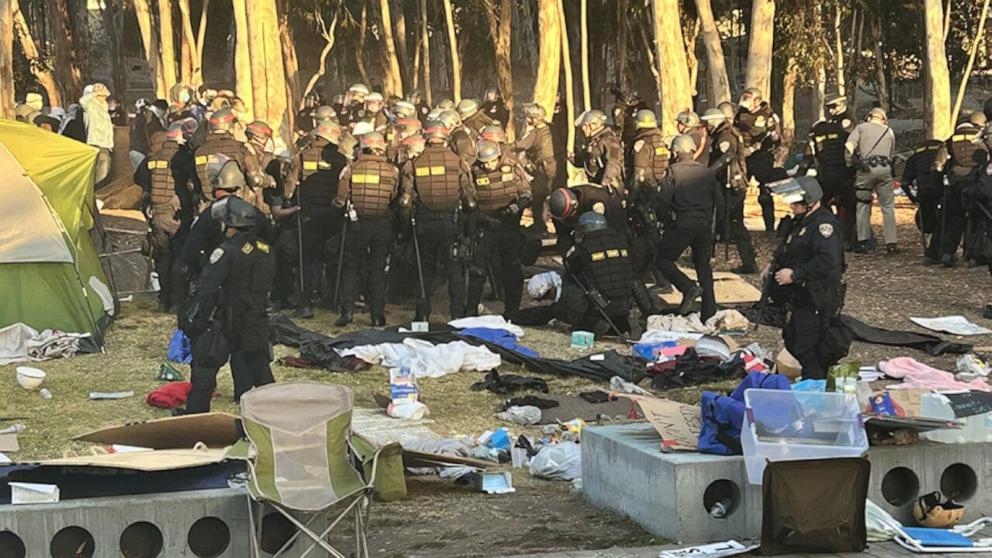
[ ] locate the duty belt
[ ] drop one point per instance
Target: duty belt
(877, 161)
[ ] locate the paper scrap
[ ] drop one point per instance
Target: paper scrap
(715, 550)
(678, 424)
(33, 493)
(955, 325)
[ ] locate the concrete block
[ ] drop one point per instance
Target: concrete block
(194, 524)
(671, 494)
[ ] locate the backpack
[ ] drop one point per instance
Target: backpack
(723, 415)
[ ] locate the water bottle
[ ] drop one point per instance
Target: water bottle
(719, 509)
(45, 394)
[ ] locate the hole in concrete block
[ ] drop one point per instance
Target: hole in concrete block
(276, 531)
(900, 486)
(11, 545)
(73, 542)
(722, 498)
(141, 540)
(208, 537)
(959, 482)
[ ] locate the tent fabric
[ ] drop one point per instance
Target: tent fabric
(73, 294)
(28, 234)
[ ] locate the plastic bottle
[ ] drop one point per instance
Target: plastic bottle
(45, 394)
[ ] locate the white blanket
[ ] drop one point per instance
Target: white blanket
(427, 360)
(19, 343)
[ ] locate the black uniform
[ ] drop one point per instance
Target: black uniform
(693, 194)
(370, 184)
(538, 143)
(602, 158)
(648, 158)
(961, 157)
(207, 233)
(599, 262)
(169, 179)
(731, 174)
(588, 196)
(825, 151)
(234, 291)
(286, 246)
(442, 186)
(814, 251)
(496, 111)
(321, 165)
(502, 194)
(924, 186)
(761, 132)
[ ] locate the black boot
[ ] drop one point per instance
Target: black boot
(344, 319)
(645, 302)
(423, 311)
(745, 269)
(378, 321)
(689, 299)
(948, 260)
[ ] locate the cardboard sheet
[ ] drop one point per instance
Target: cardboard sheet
(159, 460)
(678, 424)
(730, 289)
(216, 430)
(573, 407)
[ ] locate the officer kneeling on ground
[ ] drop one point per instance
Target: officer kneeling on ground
(230, 319)
(808, 275)
(597, 286)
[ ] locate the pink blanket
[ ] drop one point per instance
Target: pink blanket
(917, 375)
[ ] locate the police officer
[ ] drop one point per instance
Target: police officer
(598, 279)
(625, 113)
(441, 185)
(648, 157)
(869, 149)
(567, 205)
(602, 154)
(260, 141)
(168, 177)
(473, 119)
(366, 192)
(825, 153)
(494, 107)
(538, 145)
(234, 292)
(402, 129)
(761, 130)
(319, 169)
(730, 164)
(924, 186)
(502, 193)
(374, 114)
(809, 277)
(220, 141)
(461, 141)
(688, 122)
(693, 195)
(960, 159)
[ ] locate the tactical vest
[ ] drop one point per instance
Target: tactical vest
(600, 149)
(653, 157)
(754, 126)
(494, 190)
(436, 178)
(609, 265)
(736, 171)
(160, 168)
(829, 137)
(318, 176)
(543, 150)
(373, 185)
(217, 144)
(252, 271)
(963, 148)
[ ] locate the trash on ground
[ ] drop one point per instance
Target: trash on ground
(109, 395)
(558, 462)
(30, 378)
(524, 416)
(714, 550)
(33, 493)
(168, 373)
(492, 482)
(955, 325)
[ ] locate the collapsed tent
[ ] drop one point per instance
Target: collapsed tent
(50, 272)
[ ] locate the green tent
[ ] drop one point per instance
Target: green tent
(50, 273)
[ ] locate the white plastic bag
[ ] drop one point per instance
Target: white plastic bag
(559, 462)
(525, 415)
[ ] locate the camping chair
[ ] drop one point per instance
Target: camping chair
(300, 461)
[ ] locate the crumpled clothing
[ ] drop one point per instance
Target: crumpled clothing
(491, 322)
(541, 284)
(170, 395)
(690, 369)
(427, 360)
(20, 342)
(724, 320)
(523, 415)
(529, 401)
(501, 337)
(503, 384)
(915, 374)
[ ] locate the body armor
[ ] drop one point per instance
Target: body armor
(320, 170)
(437, 178)
(964, 146)
(219, 144)
(608, 265)
(827, 138)
(758, 125)
(603, 160)
(727, 141)
(250, 277)
(496, 189)
(373, 184)
(160, 168)
(650, 157)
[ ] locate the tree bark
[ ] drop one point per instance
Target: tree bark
(839, 51)
(673, 72)
(167, 48)
(881, 83)
(819, 92)
(938, 82)
(691, 59)
(622, 27)
(64, 49)
(566, 63)
(975, 42)
(363, 27)
(646, 44)
(425, 39)
(456, 63)
(149, 39)
(242, 56)
(268, 68)
(41, 73)
(201, 37)
(859, 18)
(789, 103)
(6, 59)
(500, 18)
(716, 67)
(759, 53)
(395, 77)
(401, 48)
(290, 60)
(191, 47)
(549, 64)
(329, 35)
(947, 20)
(586, 98)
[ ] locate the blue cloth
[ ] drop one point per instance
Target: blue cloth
(723, 415)
(501, 337)
(180, 349)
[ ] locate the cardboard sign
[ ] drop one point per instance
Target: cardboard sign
(678, 424)
(970, 403)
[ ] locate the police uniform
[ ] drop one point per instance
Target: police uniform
(223, 143)
(602, 158)
(589, 195)
(502, 194)
(169, 179)
(693, 195)
(207, 233)
(441, 184)
(475, 123)
(370, 184)
(463, 144)
(320, 167)
(814, 251)
(539, 146)
(928, 195)
(496, 111)
(235, 289)
(286, 247)
(825, 151)
(625, 116)
(761, 131)
(648, 157)
(728, 150)
(961, 157)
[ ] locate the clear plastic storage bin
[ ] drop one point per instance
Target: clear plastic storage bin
(977, 428)
(782, 425)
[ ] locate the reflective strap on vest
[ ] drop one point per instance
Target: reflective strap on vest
(365, 179)
(963, 137)
(310, 165)
(202, 160)
(600, 256)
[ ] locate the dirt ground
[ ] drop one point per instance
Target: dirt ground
(441, 519)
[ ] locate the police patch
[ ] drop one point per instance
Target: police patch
(247, 248)
(638, 145)
(760, 121)
(216, 255)
(826, 229)
(724, 146)
(846, 123)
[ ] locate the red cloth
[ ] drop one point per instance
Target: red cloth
(170, 395)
